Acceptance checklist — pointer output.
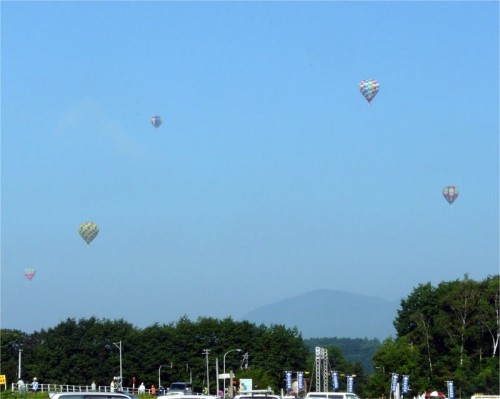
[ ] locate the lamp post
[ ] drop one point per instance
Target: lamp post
(224, 366)
(206, 352)
(159, 381)
(19, 363)
(190, 373)
(119, 346)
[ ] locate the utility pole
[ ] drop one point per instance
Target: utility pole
(159, 378)
(217, 374)
(119, 346)
(19, 371)
(244, 361)
(206, 352)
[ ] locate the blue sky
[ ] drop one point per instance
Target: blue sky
(271, 175)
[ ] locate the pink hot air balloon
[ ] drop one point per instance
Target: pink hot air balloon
(29, 273)
(450, 193)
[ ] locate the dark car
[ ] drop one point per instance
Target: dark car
(180, 387)
(129, 394)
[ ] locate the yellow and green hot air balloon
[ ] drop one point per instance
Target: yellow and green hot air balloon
(88, 231)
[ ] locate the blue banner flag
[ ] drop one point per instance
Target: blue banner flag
(288, 380)
(335, 380)
(350, 383)
(406, 382)
(300, 381)
(451, 393)
(394, 382)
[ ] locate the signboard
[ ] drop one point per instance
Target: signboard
(3, 380)
(246, 384)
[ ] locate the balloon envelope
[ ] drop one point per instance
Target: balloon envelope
(450, 193)
(156, 121)
(29, 273)
(88, 231)
(369, 88)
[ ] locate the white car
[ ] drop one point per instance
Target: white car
(257, 394)
(88, 395)
(331, 395)
(176, 395)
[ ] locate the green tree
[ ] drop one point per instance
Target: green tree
(11, 342)
(448, 332)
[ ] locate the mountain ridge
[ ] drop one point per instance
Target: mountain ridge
(331, 313)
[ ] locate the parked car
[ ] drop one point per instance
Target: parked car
(185, 388)
(89, 395)
(257, 394)
(129, 394)
(331, 395)
(177, 395)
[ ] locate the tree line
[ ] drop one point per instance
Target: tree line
(447, 332)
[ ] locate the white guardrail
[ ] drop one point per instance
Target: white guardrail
(72, 388)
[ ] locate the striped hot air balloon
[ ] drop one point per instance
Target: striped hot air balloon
(369, 89)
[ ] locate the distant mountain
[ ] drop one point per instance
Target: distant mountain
(330, 313)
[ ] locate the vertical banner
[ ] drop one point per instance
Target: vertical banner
(350, 383)
(451, 393)
(406, 383)
(394, 382)
(300, 381)
(288, 381)
(335, 380)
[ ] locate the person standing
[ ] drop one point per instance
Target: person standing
(34, 385)
(142, 389)
(153, 390)
(93, 386)
(112, 385)
(21, 386)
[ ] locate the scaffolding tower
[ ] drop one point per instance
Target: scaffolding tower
(321, 357)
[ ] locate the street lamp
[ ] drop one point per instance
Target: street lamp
(206, 352)
(159, 381)
(119, 346)
(224, 366)
(19, 371)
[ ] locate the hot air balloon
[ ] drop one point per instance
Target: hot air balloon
(450, 193)
(88, 231)
(29, 273)
(156, 121)
(369, 89)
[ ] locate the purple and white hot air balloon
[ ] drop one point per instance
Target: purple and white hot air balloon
(156, 121)
(450, 193)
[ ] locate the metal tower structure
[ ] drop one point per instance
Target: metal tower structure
(321, 359)
(325, 370)
(317, 367)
